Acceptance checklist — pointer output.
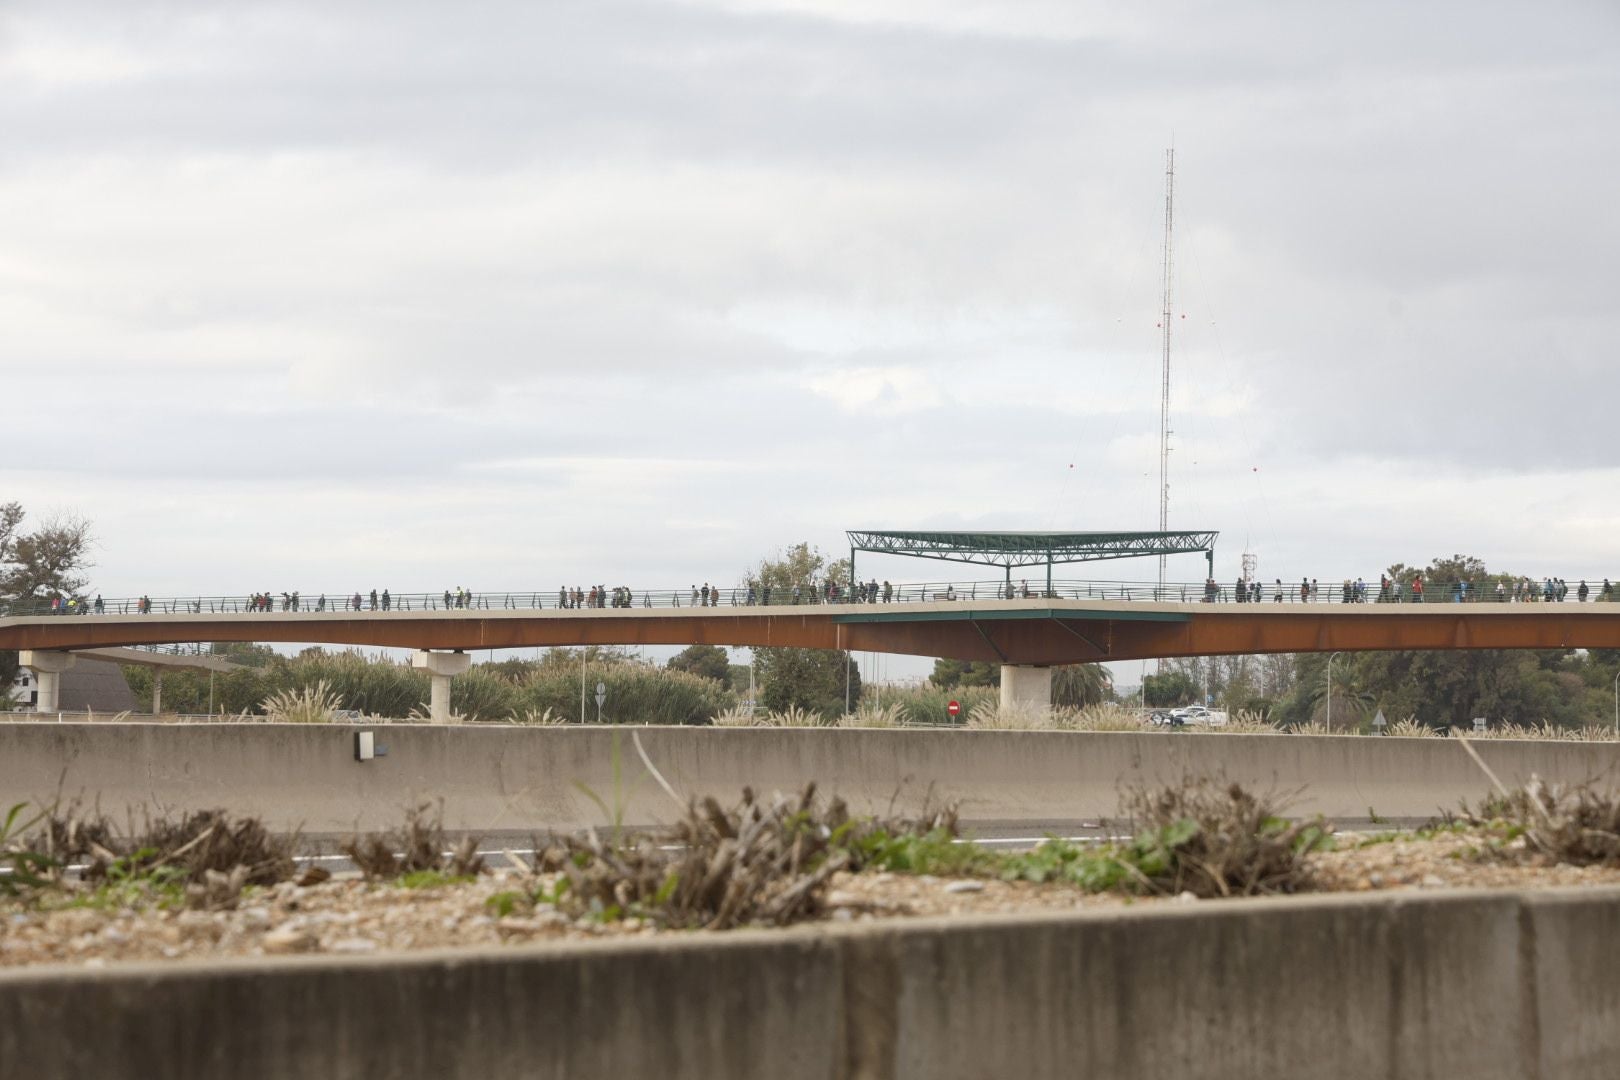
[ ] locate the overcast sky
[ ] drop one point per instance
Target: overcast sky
(506, 295)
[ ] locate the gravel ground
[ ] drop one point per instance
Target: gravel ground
(355, 917)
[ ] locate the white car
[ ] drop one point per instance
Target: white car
(1202, 717)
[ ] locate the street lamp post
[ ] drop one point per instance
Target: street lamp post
(1331, 657)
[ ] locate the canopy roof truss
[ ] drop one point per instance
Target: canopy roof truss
(1010, 549)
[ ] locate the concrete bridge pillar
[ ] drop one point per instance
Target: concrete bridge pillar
(47, 668)
(441, 666)
(1025, 686)
(157, 691)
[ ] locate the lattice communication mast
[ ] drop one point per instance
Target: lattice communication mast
(1164, 388)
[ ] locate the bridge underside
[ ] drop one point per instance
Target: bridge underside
(1008, 632)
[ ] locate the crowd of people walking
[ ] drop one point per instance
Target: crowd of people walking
(1415, 588)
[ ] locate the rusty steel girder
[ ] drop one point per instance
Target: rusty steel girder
(1007, 631)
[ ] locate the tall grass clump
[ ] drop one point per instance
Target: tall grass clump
(1096, 718)
(1546, 732)
(991, 716)
(926, 704)
(1409, 728)
(872, 715)
(307, 705)
(484, 694)
(793, 716)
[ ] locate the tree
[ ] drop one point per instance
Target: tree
(802, 565)
(49, 561)
(34, 566)
(1169, 688)
(949, 674)
(250, 653)
(1445, 688)
(812, 679)
(1079, 685)
(820, 680)
(709, 661)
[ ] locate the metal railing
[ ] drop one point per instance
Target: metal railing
(1344, 592)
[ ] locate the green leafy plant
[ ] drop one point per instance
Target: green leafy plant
(510, 902)
(621, 794)
(23, 871)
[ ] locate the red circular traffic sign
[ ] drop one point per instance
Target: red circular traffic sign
(954, 707)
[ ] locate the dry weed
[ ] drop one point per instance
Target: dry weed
(1577, 824)
(420, 847)
(1212, 839)
(757, 863)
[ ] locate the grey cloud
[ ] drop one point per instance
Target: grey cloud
(383, 245)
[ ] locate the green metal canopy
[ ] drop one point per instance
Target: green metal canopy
(1010, 549)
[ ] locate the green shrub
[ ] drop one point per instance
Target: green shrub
(636, 694)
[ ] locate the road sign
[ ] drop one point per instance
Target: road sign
(1378, 720)
(954, 707)
(601, 693)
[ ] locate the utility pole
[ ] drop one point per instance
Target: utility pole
(1330, 692)
(1164, 386)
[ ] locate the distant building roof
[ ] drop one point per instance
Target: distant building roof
(98, 685)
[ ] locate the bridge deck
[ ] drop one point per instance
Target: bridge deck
(1035, 631)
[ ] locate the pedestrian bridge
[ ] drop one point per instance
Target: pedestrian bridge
(1027, 636)
(1034, 631)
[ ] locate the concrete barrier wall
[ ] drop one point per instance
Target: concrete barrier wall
(518, 779)
(1406, 987)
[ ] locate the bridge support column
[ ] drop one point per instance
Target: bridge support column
(441, 666)
(47, 668)
(1026, 687)
(157, 691)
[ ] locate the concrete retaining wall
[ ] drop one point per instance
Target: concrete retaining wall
(1407, 987)
(518, 779)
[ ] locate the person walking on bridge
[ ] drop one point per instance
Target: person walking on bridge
(386, 600)
(1582, 592)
